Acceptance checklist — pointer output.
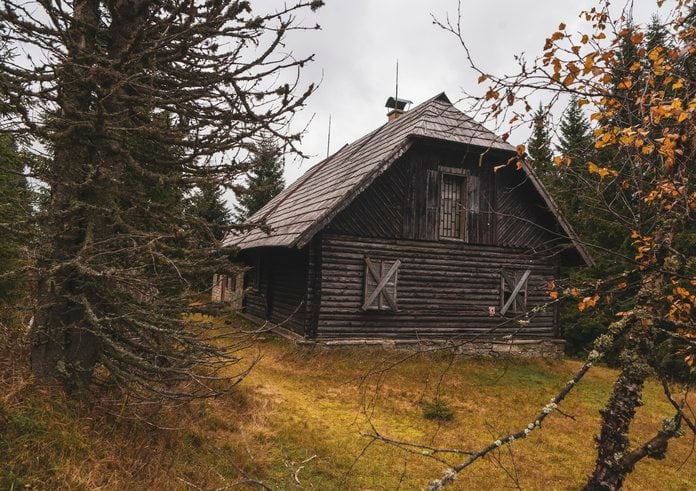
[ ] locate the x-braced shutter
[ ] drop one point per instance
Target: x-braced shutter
(513, 290)
(432, 200)
(380, 284)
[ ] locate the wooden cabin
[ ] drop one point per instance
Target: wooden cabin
(413, 232)
(228, 289)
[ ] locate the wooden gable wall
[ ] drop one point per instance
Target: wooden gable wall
(403, 202)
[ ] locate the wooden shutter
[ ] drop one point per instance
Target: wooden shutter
(432, 202)
(410, 227)
(381, 278)
(473, 199)
(513, 291)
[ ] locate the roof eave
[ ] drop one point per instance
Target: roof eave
(555, 209)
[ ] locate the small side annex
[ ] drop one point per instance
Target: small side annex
(408, 234)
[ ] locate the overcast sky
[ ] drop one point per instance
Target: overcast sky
(360, 40)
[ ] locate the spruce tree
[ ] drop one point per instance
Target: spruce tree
(208, 204)
(578, 194)
(576, 144)
(263, 181)
(575, 136)
(15, 209)
(539, 150)
(138, 103)
(656, 34)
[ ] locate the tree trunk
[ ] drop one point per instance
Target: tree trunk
(613, 442)
(66, 343)
(612, 467)
(63, 348)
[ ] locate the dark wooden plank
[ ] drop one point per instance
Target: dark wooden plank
(441, 289)
(432, 201)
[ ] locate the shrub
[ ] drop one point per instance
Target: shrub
(438, 409)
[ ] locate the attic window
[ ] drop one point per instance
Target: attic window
(380, 284)
(453, 195)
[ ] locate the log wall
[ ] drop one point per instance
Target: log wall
(444, 289)
(276, 287)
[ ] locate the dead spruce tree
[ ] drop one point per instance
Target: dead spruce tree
(641, 94)
(134, 102)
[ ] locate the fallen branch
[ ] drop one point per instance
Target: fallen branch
(297, 472)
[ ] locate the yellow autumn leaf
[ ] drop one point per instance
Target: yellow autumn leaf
(588, 302)
(589, 63)
(655, 53)
(637, 38)
(602, 172)
(570, 78)
(682, 292)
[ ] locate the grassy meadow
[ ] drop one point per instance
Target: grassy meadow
(296, 421)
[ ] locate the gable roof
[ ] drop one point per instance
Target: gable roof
(295, 215)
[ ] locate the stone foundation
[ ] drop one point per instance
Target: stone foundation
(519, 348)
(516, 348)
(490, 348)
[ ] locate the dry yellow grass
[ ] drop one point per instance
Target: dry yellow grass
(298, 418)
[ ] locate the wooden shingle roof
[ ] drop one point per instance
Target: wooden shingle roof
(306, 206)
